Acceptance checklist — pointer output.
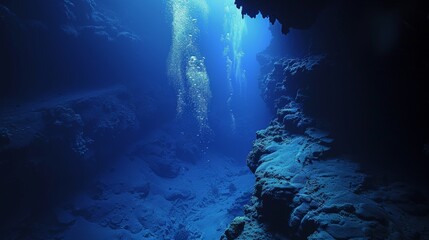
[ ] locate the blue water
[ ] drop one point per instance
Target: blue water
(128, 133)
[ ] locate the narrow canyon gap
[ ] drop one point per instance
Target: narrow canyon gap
(201, 119)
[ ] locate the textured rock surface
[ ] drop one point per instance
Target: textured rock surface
(49, 147)
(371, 90)
(336, 113)
(129, 200)
(71, 122)
(304, 191)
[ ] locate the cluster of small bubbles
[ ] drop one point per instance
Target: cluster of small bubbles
(186, 67)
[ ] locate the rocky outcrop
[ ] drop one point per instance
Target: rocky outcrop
(301, 75)
(74, 124)
(303, 189)
(49, 148)
(291, 14)
(348, 128)
(372, 86)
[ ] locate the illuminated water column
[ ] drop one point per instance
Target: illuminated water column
(186, 67)
(234, 29)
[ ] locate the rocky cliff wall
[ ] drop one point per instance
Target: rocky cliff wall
(343, 158)
(306, 188)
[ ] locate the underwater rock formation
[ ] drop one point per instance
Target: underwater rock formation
(291, 14)
(74, 124)
(49, 147)
(325, 166)
(49, 46)
(73, 95)
(303, 190)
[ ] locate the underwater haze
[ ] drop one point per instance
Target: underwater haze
(127, 119)
(214, 119)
